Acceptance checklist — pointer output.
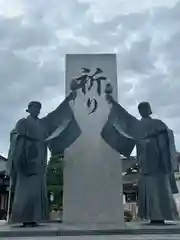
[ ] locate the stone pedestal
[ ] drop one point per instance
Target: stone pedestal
(92, 173)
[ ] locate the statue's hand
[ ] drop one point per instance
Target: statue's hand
(72, 96)
(110, 99)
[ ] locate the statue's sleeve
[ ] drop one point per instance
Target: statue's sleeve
(15, 150)
(121, 130)
(9, 164)
(61, 116)
(62, 128)
(167, 151)
(173, 151)
(124, 122)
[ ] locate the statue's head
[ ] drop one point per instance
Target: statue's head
(34, 108)
(144, 109)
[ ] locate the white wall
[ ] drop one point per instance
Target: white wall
(2, 165)
(177, 196)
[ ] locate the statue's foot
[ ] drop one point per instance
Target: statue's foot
(35, 224)
(157, 222)
(30, 224)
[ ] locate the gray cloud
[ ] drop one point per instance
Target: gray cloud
(35, 36)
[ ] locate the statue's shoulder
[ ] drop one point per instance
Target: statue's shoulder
(21, 121)
(21, 124)
(160, 124)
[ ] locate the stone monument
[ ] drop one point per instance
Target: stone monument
(92, 173)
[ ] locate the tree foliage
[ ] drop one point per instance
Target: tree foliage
(55, 179)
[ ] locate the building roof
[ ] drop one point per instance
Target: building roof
(128, 163)
(130, 170)
(2, 163)
(3, 158)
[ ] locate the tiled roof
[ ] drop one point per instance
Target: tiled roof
(128, 163)
(3, 158)
(2, 163)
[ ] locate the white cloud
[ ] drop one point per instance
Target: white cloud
(36, 35)
(11, 8)
(103, 10)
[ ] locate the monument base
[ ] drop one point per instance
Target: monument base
(57, 229)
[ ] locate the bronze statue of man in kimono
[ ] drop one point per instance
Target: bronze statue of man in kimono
(156, 175)
(27, 158)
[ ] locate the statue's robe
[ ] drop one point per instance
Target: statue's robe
(156, 178)
(27, 160)
(173, 151)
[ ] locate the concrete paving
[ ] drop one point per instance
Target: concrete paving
(120, 237)
(136, 230)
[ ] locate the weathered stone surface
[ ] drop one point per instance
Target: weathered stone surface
(92, 173)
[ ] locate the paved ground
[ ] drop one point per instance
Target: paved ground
(132, 231)
(122, 237)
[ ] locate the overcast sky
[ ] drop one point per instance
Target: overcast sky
(36, 35)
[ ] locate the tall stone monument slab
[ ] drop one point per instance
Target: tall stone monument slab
(92, 173)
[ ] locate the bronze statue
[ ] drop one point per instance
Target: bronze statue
(151, 137)
(28, 157)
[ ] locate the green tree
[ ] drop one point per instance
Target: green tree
(55, 180)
